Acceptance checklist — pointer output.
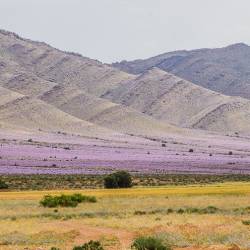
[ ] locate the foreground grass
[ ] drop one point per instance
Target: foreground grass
(228, 188)
(121, 215)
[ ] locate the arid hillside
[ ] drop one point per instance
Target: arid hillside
(31, 114)
(70, 83)
(154, 103)
(225, 70)
(174, 100)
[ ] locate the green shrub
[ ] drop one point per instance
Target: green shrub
(246, 222)
(120, 179)
(3, 185)
(54, 248)
(170, 210)
(192, 210)
(149, 243)
(210, 210)
(91, 245)
(66, 200)
(180, 211)
(138, 212)
(110, 181)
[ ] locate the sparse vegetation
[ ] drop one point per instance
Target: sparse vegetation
(246, 222)
(48, 182)
(120, 179)
(149, 243)
(91, 245)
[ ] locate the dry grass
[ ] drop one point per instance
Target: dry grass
(114, 221)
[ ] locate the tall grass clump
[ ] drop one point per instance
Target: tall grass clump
(66, 200)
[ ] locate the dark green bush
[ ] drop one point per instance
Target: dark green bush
(91, 245)
(65, 200)
(54, 248)
(170, 210)
(149, 243)
(246, 222)
(138, 212)
(3, 185)
(120, 179)
(110, 181)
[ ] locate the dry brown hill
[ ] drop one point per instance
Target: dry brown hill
(171, 99)
(28, 67)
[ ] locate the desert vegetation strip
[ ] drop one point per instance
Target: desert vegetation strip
(54, 182)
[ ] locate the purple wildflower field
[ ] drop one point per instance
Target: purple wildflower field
(60, 154)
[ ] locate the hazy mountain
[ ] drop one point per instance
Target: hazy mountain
(225, 70)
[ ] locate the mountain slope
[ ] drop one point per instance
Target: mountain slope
(171, 99)
(54, 65)
(103, 112)
(28, 113)
(28, 68)
(225, 70)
